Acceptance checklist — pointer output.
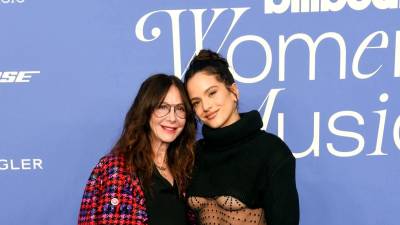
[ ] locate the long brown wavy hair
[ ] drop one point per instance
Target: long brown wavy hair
(134, 143)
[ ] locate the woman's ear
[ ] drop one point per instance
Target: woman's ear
(235, 91)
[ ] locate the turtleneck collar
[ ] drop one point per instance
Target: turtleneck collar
(248, 123)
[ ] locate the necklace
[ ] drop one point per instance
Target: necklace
(162, 168)
(163, 165)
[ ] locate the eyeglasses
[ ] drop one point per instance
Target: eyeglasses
(164, 109)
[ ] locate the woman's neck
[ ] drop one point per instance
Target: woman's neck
(160, 158)
(160, 153)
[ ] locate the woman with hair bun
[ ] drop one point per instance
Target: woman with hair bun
(143, 179)
(242, 174)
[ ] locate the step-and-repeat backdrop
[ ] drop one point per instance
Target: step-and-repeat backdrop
(324, 74)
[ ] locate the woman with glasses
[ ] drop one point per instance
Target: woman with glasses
(144, 177)
(242, 175)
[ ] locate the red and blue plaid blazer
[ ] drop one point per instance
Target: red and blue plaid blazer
(112, 196)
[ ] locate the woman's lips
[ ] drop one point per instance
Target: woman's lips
(169, 129)
(212, 115)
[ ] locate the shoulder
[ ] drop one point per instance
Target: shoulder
(273, 148)
(111, 167)
(111, 161)
(272, 141)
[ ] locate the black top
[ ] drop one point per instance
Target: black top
(249, 164)
(163, 204)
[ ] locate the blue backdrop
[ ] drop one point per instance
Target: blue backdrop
(324, 75)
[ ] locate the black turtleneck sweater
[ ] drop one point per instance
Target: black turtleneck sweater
(245, 162)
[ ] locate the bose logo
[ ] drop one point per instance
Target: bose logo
(312, 6)
(16, 77)
(11, 1)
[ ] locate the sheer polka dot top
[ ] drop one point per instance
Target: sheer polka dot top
(225, 210)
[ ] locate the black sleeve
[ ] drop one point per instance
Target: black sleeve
(280, 199)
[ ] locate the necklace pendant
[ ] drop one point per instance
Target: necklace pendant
(162, 168)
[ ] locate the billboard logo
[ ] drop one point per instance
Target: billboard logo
(315, 6)
(11, 1)
(21, 164)
(17, 76)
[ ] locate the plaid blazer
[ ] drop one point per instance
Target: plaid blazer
(112, 196)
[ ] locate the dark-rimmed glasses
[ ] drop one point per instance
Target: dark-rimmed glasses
(164, 109)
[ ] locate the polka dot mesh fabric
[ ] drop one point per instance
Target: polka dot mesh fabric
(225, 210)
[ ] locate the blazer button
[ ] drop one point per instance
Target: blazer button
(114, 201)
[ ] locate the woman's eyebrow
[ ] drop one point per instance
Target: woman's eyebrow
(207, 90)
(194, 98)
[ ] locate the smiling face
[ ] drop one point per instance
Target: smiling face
(166, 128)
(212, 101)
